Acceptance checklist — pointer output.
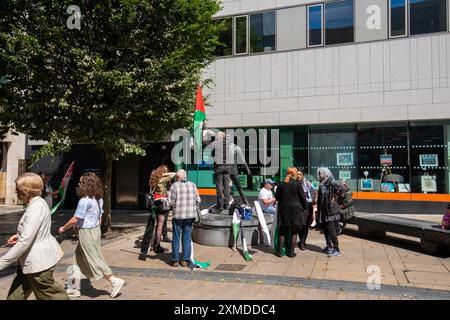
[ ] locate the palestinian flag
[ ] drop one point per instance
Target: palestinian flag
(63, 188)
(199, 117)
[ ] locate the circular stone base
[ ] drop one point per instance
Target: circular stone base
(215, 230)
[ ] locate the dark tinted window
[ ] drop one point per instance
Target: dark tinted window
(225, 48)
(427, 16)
(315, 25)
(241, 34)
(398, 18)
(339, 22)
(262, 32)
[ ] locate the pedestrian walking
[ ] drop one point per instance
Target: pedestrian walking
(34, 248)
(328, 210)
(86, 223)
(310, 202)
(185, 201)
(291, 211)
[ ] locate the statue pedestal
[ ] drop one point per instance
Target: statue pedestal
(215, 230)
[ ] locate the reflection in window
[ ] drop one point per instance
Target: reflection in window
(397, 16)
(262, 32)
(240, 35)
(225, 38)
(339, 22)
(383, 159)
(315, 25)
(427, 16)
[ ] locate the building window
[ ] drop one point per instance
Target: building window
(315, 25)
(383, 158)
(334, 147)
(262, 32)
(225, 38)
(240, 35)
(397, 18)
(339, 26)
(427, 16)
(428, 158)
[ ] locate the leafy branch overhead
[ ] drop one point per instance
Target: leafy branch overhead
(128, 76)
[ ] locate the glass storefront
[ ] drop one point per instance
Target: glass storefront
(396, 158)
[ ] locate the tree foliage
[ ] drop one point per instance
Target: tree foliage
(128, 76)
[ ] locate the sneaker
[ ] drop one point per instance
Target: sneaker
(302, 246)
(73, 293)
(174, 263)
(313, 224)
(327, 250)
(335, 253)
(116, 286)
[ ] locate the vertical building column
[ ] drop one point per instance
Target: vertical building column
(286, 151)
(15, 158)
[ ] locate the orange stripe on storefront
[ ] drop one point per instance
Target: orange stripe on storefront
(375, 196)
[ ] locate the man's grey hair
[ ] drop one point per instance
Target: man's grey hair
(181, 174)
(220, 136)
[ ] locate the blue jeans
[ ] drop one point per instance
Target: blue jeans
(270, 210)
(182, 229)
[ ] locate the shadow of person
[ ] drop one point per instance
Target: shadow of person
(89, 291)
(314, 248)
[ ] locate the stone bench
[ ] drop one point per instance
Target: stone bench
(433, 238)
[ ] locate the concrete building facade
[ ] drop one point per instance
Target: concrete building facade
(349, 84)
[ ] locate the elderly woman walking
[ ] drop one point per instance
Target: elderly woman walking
(328, 210)
(291, 211)
(86, 222)
(35, 249)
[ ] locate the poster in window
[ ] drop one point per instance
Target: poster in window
(429, 183)
(404, 187)
(386, 159)
(387, 187)
(345, 175)
(345, 159)
(367, 184)
(429, 160)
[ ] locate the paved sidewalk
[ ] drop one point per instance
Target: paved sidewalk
(406, 273)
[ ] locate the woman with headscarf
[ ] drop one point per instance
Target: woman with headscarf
(291, 211)
(328, 210)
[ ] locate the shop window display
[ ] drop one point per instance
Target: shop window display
(427, 158)
(383, 159)
(335, 148)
